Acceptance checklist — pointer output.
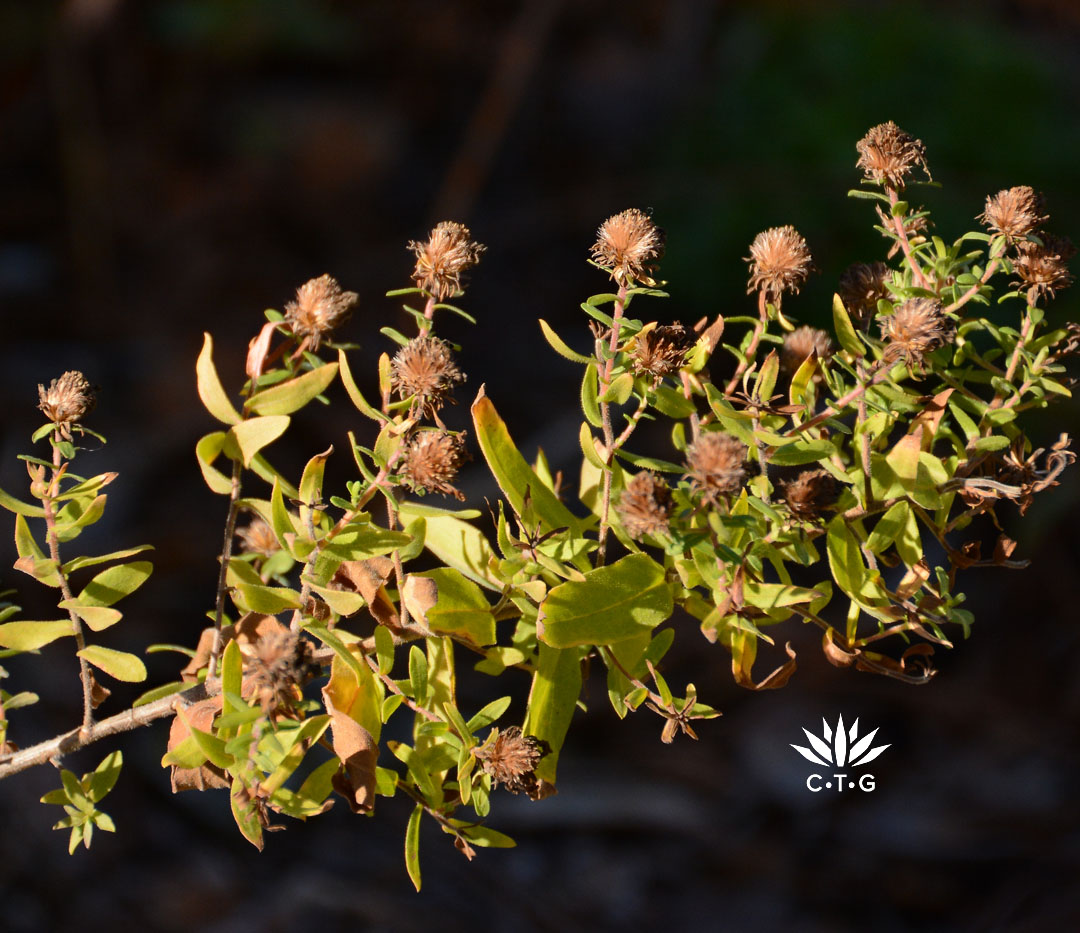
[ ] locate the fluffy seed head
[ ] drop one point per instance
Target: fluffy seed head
(257, 537)
(800, 343)
(779, 262)
(1044, 269)
(661, 350)
(320, 307)
(432, 460)
(629, 244)
(716, 465)
(1015, 212)
(68, 399)
(511, 759)
(442, 259)
(861, 286)
(887, 155)
(810, 493)
(645, 506)
(425, 368)
(916, 328)
(277, 672)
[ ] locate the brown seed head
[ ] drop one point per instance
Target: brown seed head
(257, 537)
(862, 286)
(320, 307)
(887, 155)
(661, 350)
(800, 343)
(916, 328)
(811, 492)
(68, 399)
(432, 460)
(1044, 269)
(443, 258)
(645, 506)
(779, 262)
(425, 368)
(275, 675)
(629, 244)
(1015, 212)
(716, 465)
(511, 759)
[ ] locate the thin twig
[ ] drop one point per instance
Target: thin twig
(223, 572)
(905, 243)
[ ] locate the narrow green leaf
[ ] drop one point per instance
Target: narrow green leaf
(12, 504)
(112, 585)
(489, 714)
(560, 347)
(845, 331)
(589, 390)
(552, 699)
(210, 390)
(77, 563)
(269, 600)
(103, 778)
(412, 846)
(118, 664)
(355, 395)
(29, 636)
(207, 450)
(287, 397)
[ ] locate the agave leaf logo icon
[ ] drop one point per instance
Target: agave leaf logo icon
(839, 747)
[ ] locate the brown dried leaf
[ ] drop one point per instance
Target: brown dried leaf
(257, 350)
(419, 594)
(190, 673)
(98, 693)
(358, 753)
(834, 654)
(930, 418)
(777, 679)
(207, 777)
(368, 578)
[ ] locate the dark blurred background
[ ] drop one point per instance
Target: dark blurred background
(174, 166)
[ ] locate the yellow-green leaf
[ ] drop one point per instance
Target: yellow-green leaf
(845, 330)
(253, 435)
(118, 664)
(210, 390)
(460, 607)
(560, 347)
(12, 504)
(268, 600)
(555, 689)
(457, 544)
(114, 584)
(206, 452)
(354, 392)
(98, 618)
(287, 397)
(29, 636)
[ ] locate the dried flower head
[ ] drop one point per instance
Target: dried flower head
(280, 666)
(862, 286)
(432, 460)
(511, 759)
(887, 155)
(645, 506)
(1044, 269)
(443, 258)
(68, 400)
(425, 368)
(661, 350)
(257, 537)
(810, 493)
(629, 244)
(779, 262)
(800, 344)
(716, 465)
(917, 327)
(320, 307)
(1015, 212)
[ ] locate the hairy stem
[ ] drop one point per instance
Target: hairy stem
(226, 556)
(877, 373)
(751, 350)
(905, 243)
(605, 415)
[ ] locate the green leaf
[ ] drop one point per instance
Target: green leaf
(210, 391)
(618, 391)
(612, 603)
(460, 608)
(77, 563)
(253, 435)
(766, 377)
(29, 636)
(97, 618)
(485, 836)
(589, 390)
(803, 451)
(114, 584)
(355, 395)
(269, 600)
(245, 814)
(103, 778)
(207, 450)
(311, 482)
(157, 693)
(588, 446)
(412, 846)
(12, 504)
(384, 649)
(561, 348)
(555, 689)
(232, 668)
(845, 331)
(287, 397)
(489, 714)
(25, 544)
(118, 664)
(845, 557)
(418, 672)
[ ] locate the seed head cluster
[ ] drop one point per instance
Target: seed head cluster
(810, 493)
(645, 506)
(716, 465)
(67, 401)
(1044, 269)
(425, 368)
(511, 757)
(661, 350)
(887, 155)
(630, 245)
(917, 327)
(800, 344)
(780, 262)
(282, 663)
(432, 460)
(1015, 212)
(257, 537)
(862, 286)
(443, 258)
(320, 308)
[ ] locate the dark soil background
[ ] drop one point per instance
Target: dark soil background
(174, 166)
